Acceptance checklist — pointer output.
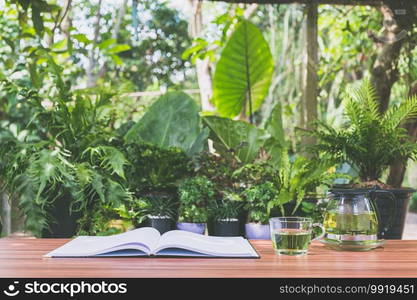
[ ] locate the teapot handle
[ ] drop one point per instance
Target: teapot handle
(394, 208)
(323, 231)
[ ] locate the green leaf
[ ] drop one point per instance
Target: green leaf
(106, 43)
(397, 115)
(276, 143)
(198, 50)
(199, 143)
(84, 173)
(114, 160)
(9, 63)
(9, 42)
(172, 121)
(54, 68)
(241, 138)
(82, 38)
(284, 197)
(243, 73)
(274, 125)
(98, 186)
(116, 193)
(118, 48)
(60, 45)
(37, 19)
(35, 76)
(116, 59)
(274, 149)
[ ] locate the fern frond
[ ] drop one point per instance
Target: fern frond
(397, 115)
(110, 158)
(368, 92)
(361, 105)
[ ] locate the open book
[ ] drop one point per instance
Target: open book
(148, 241)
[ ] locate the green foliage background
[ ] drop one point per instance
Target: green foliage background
(73, 125)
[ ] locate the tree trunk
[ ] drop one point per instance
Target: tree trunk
(399, 17)
(91, 77)
(6, 216)
(204, 77)
(398, 168)
(203, 66)
(310, 79)
(66, 23)
(115, 34)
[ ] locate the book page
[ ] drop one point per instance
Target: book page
(208, 245)
(142, 239)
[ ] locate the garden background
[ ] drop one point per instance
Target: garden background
(77, 77)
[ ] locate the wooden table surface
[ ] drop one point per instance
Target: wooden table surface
(23, 258)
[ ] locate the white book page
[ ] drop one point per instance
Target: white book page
(142, 239)
(209, 245)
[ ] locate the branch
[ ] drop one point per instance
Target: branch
(58, 22)
(250, 11)
(65, 12)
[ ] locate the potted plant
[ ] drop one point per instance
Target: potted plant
(194, 195)
(58, 167)
(153, 175)
(158, 210)
(224, 212)
(370, 141)
(298, 179)
(224, 207)
(257, 199)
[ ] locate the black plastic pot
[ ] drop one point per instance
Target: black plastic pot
(242, 217)
(392, 215)
(161, 223)
(227, 227)
(64, 223)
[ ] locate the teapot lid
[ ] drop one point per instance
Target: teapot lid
(357, 191)
(361, 191)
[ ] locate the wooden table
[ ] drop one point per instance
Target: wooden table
(23, 258)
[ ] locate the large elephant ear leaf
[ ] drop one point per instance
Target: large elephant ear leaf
(172, 121)
(243, 73)
(240, 138)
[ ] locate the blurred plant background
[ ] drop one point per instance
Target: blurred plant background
(76, 75)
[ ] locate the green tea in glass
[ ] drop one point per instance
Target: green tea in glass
(292, 235)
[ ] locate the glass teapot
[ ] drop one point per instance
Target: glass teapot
(351, 216)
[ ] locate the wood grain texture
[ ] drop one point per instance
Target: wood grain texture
(23, 258)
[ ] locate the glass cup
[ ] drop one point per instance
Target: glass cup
(292, 235)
